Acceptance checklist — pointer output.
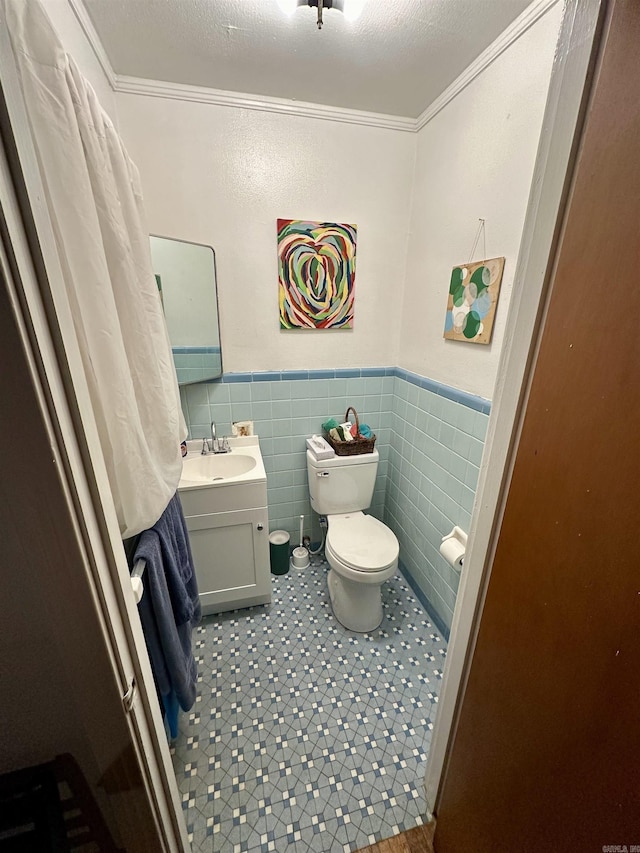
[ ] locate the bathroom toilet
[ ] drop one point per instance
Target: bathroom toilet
(361, 551)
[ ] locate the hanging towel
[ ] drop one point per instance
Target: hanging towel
(170, 607)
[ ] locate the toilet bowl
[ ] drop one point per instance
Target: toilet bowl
(362, 553)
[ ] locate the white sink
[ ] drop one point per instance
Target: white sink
(216, 467)
(243, 464)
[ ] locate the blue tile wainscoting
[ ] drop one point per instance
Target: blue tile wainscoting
(430, 438)
(436, 444)
(286, 408)
(196, 364)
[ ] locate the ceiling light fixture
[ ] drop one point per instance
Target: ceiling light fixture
(350, 8)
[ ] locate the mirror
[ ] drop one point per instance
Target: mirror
(186, 278)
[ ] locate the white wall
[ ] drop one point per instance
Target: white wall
(75, 42)
(475, 159)
(222, 176)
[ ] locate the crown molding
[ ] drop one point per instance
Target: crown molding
(80, 11)
(205, 95)
(518, 28)
(262, 103)
(284, 106)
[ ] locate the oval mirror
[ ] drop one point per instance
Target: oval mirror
(186, 278)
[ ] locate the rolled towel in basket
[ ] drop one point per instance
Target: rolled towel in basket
(340, 434)
(332, 423)
(348, 432)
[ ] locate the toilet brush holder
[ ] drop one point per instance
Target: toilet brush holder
(300, 558)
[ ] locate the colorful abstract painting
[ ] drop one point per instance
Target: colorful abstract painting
(316, 274)
(471, 306)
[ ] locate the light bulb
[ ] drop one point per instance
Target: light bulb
(288, 6)
(353, 9)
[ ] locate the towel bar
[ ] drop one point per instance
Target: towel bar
(136, 579)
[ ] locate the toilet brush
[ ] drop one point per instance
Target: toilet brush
(300, 557)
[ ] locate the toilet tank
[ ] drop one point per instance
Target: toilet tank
(343, 483)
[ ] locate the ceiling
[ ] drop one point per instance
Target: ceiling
(395, 59)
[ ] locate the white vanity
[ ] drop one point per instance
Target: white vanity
(224, 499)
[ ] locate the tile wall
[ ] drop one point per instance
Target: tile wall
(197, 364)
(286, 408)
(436, 444)
(429, 437)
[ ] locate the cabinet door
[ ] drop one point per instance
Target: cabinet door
(231, 555)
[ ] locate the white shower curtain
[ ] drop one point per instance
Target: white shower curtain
(95, 204)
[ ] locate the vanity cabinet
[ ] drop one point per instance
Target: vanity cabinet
(229, 533)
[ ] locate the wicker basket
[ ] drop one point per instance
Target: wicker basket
(355, 447)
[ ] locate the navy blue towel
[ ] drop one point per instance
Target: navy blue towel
(170, 607)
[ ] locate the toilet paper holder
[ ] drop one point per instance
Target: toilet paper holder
(453, 547)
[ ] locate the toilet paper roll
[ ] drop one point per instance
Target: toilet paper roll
(453, 548)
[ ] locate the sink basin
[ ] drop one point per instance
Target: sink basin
(242, 465)
(222, 467)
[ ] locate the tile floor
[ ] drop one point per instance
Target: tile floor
(304, 735)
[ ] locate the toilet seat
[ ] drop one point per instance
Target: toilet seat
(362, 543)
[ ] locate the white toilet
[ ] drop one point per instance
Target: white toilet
(362, 551)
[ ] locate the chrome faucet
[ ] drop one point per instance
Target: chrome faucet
(216, 445)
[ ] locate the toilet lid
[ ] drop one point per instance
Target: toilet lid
(362, 542)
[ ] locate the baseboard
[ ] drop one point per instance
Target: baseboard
(424, 601)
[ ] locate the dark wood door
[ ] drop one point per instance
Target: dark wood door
(546, 755)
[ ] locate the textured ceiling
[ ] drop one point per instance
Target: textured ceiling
(396, 58)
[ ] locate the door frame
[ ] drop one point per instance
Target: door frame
(564, 113)
(49, 340)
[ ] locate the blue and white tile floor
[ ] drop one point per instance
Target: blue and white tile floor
(304, 735)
